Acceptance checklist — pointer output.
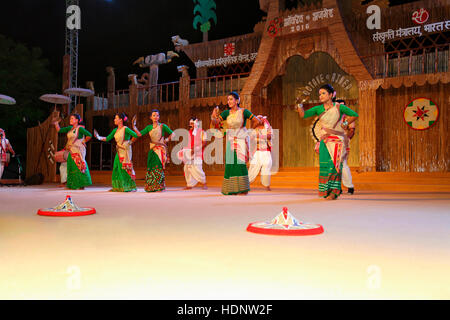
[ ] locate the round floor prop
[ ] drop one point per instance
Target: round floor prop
(285, 224)
(66, 209)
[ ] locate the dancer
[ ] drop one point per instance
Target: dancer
(61, 156)
(123, 176)
(333, 140)
(5, 149)
(76, 170)
(262, 158)
(157, 155)
(193, 166)
(235, 179)
(346, 173)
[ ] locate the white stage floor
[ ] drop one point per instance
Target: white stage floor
(193, 245)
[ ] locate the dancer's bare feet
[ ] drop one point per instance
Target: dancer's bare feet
(187, 188)
(62, 185)
(268, 188)
(205, 187)
(243, 194)
(331, 196)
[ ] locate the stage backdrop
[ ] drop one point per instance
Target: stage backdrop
(303, 78)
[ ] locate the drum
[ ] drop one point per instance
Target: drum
(316, 128)
(61, 156)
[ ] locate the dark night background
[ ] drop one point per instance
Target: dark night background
(113, 33)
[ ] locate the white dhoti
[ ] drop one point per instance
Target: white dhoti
(194, 174)
(346, 175)
(2, 167)
(261, 161)
(63, 172)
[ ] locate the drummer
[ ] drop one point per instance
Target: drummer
(5, 150)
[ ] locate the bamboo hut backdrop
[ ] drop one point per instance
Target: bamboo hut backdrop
(403, 149)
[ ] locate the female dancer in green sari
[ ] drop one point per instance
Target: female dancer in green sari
(157, 155)
(123, 176)
(78, 175)
(235, 180)
(333, 140)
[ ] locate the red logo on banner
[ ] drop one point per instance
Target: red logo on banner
(229, 49)
(420, 16)
(274, 27)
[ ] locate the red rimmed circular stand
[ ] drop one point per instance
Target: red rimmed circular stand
(285, 232)
(45, 212)
(285, 224)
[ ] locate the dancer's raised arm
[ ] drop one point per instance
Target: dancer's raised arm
(98, 137)
(55, 122)
(134, 121)
(215, 117)
(299, 109)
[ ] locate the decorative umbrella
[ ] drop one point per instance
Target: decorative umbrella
(79, 92)
(7, 100)
(55, 98)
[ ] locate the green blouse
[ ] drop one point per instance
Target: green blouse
(82, 132)
(128, 134)
(247, 115)
(318, 110)
(165, 129)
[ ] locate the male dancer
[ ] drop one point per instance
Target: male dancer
(193, 170)
(5, 147)
(261, 159)
(346, 174)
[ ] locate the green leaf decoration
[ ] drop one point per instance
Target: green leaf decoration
(205, 12)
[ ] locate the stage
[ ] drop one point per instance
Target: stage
(193, 245)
